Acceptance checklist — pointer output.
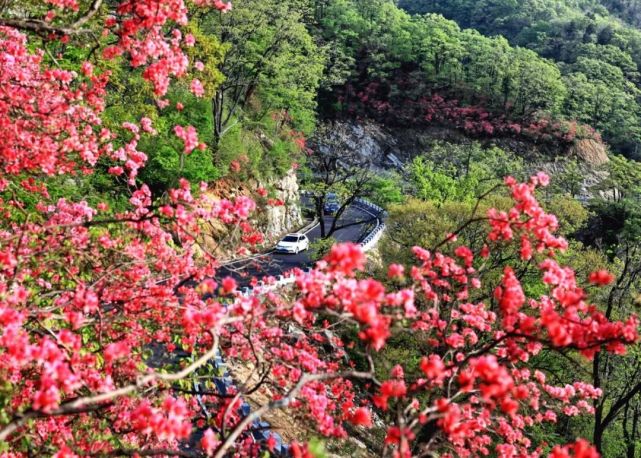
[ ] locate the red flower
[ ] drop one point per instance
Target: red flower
(395, 271)
(433, 368)
(394, 388)
(64, 452)
(580, 449)
(345, 258)
(361, 417)
(229, 285)
(196, 87)
(209, 442)
(510, 294)
(189, 136)
(601, 278)
(526, 249)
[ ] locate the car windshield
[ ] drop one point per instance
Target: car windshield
(290, 238)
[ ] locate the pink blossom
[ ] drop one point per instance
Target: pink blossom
(189, 136)
(197, 88)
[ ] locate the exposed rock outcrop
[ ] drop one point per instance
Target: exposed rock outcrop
(279, 220)
(390, 148)
(272, 221)
(591, 152)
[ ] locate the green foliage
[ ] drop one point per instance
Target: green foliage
(376, 40)
(320, 247)
(406, 347)
(316, 448)
(384, 191)
(240, 144)
(293, 78)
(269, 76)
(623, 180)
(437, 185)
(420, 223)
(570, 179)
(167, 163)
(209, 50)
(617, 213)
(598, 54)
(461, 172)
(131, 98)
(572, 215)
(585, 260)
(272, 63)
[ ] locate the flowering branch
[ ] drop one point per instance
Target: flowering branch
(88, 403)
(284, 402)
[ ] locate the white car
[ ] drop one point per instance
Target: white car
(293, 243)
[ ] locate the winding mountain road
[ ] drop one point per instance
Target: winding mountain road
(356, 222)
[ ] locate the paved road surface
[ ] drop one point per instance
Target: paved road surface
(357, 220)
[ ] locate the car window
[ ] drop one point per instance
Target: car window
(290, 238)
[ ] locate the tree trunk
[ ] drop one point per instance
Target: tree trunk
(597, 437)
(217, 113)
(319, 203)
(338, 215)
(631, 449)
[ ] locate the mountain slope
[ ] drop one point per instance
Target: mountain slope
(598, 55)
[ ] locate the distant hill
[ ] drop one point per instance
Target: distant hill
(595, 43)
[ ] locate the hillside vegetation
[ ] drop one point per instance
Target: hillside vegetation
(595, 45)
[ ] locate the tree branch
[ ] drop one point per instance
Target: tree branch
(78, 404)
(284, 402)
(42, 27)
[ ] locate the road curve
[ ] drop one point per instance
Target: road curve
(357, 219)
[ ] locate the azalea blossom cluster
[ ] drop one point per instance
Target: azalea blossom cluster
(481, 395)
(141, 29)
(474, 120)
(58, 119)
(147, 32)
(474, 393)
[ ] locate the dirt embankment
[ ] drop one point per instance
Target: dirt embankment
(590, 152)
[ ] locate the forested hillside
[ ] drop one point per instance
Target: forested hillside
(320, 228)
(595, 46)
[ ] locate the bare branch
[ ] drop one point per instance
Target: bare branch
(42, 27)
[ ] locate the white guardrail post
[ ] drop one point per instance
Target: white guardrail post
(375, 235)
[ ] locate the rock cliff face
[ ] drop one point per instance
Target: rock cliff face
(279, 220)
(272, 221)
(591, 152)
(391, 148)
(377, 142)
